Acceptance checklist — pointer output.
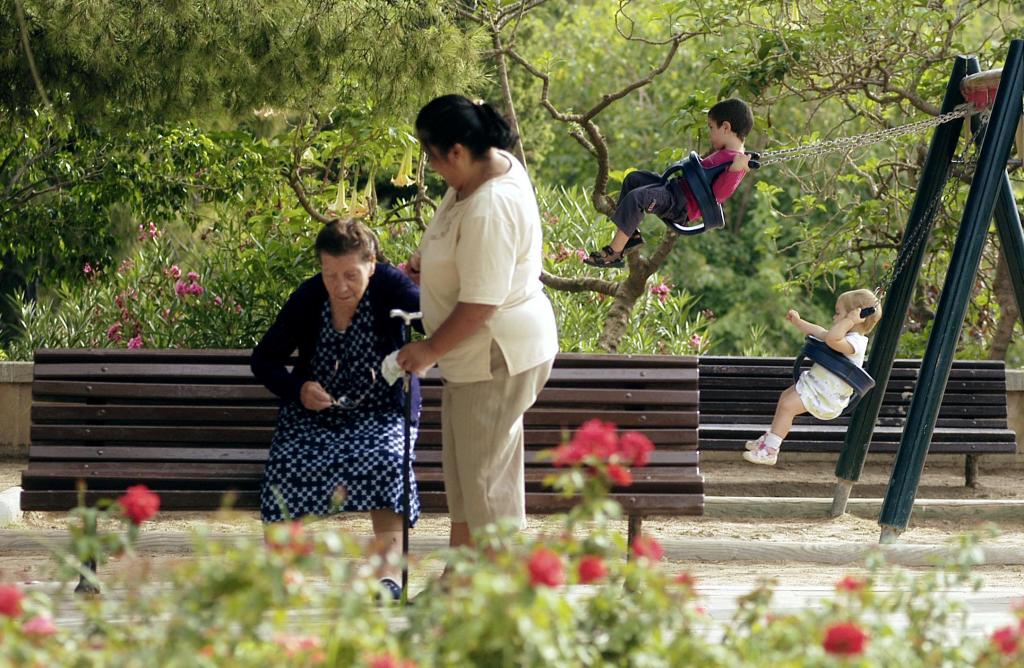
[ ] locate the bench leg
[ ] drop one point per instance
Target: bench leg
(971, 470)
(85, 586)
(635, 527)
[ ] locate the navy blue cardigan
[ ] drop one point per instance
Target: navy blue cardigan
(298, 327)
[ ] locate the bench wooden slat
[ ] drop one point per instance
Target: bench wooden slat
(640, 505)
(58, 413)
(881, 433)
(880, 447)
(48, 390)
(81, 453)
(239, 434)
(711, 410)
(764, 395)
(102, 475)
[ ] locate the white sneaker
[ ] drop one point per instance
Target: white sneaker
(763, 455)
(756, 443)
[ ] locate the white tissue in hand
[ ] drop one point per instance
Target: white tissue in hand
(389, 368)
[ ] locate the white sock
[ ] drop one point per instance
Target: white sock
(772, 440)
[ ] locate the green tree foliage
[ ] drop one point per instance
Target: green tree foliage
(151, 61)
(800, 232)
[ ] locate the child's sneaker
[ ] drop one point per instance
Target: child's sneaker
(763, 455)
(756, 443)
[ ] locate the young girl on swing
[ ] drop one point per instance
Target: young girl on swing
(819, 392)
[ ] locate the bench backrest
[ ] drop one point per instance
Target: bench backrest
(738, 391)
(198, 420)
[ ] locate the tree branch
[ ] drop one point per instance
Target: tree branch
(598, 285)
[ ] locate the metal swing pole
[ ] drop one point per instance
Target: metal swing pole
(897, 301)
(1011, 238)
(956, 293)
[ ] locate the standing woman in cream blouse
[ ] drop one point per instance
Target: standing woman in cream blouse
(490, 327)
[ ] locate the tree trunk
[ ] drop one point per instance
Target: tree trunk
(506, 94)
(1009, 310)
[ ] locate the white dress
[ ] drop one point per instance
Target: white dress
(823, 393)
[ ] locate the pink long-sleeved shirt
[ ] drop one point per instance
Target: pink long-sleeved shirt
(723, 187)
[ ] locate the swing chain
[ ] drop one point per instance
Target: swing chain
(866, 139)
(907, 251)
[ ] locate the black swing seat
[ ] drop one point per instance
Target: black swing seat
(837, 363)
(699, 179)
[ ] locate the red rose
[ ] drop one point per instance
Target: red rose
(620, 475)
(139, 503)
(686, 579)
(635, 448)
(596, 438)
(569, 454)
(591, 569)
(296, 541)
(851, 584)
(845, 638)
(646, 546)
(1007, 639)
(10, 600)
(545, 568)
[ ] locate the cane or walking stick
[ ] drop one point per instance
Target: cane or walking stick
(407, 319)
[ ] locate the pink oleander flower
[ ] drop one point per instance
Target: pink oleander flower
(10, 600)
(582, 254)
(195, 289)
(388, 661)
(40, 626)
(545, 568)
(661, 291)
(696, 341)
(217, 301)
(193, 277)
(135, 342)
(114, 332)
(300, 644)
(174, 272)
(87, 269)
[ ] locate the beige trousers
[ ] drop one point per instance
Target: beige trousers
(482, 443)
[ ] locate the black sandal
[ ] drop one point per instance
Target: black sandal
(606, 258)
(636, 239)
(391, 589)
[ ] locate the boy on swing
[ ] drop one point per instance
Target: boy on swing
(818, 391)
(643, 192)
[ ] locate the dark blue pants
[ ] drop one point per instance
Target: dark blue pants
(646, 192)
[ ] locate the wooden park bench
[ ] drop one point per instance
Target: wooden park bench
(738, 397)
(194, 425)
